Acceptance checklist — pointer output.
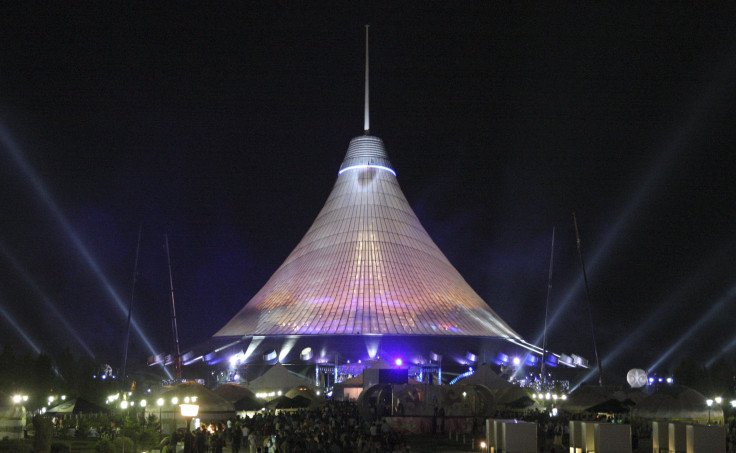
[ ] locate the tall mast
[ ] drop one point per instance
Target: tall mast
(173, 313)
(546, 307)
(587, 297)
(130, 306)
(367, 120)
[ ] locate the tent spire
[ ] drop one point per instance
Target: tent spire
(366, 123)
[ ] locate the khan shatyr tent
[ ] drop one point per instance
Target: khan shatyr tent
(367, 268)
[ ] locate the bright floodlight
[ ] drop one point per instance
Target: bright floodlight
(143, 403)
(517, 361)
(189, 410)
(399, 362)
(483, 444)
(733, 403)
(160, 402)
(709, 402)
(306, 354)
(718, 400)
(175, 400)
(16, 399)
(123, 404)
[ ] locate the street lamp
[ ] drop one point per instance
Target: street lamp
(709, 402)
(483, 445)
(189, 411)
(17, 399)
(160, 404)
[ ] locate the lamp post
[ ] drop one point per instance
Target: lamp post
(709, 402)
(188, 411)
(160, 404)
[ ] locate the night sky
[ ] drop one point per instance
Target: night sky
(224, 126)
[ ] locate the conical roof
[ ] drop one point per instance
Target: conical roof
(367, 266)
(484, 375)
(233, 392)
(277, 378)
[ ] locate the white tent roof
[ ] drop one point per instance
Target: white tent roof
(484, 375)
(277, 378)
(367, 266)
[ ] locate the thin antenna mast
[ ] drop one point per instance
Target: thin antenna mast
(130, 306)
(587, 297)
(173, 312)
(546, 307)
(367, 120)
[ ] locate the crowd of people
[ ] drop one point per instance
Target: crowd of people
(337, 427)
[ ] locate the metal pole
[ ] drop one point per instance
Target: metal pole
(130, 306)
(173, 313)
(587, 296)
(546, 307)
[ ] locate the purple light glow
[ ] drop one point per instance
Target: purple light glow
(399, 362)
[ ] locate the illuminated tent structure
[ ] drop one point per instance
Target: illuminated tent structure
(77, 406)
(365, 281)
(584, 397)
(233, 392)
(277, 379)
(485, 376)
(349, 389)
(366, 267)
(677, 403)
(211, 406)
(514, 398)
